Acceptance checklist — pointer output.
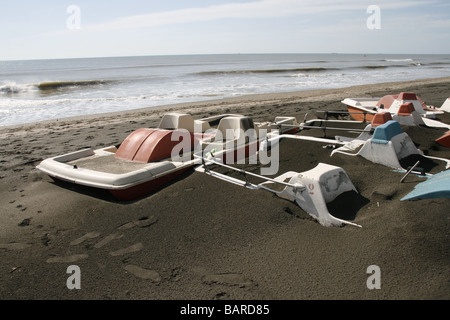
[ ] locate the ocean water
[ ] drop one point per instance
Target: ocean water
(38, 90)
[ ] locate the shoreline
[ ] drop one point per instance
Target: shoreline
(200, 238)
(246, 101)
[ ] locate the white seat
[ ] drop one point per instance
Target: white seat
(233, 128)
(172, 121)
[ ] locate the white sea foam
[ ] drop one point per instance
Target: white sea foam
(11, 87)
(399, 60)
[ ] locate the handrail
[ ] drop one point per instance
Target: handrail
(204, 160)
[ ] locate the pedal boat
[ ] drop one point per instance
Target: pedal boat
(381, 141)
(150, 158)
(437, 186)
(407, 116)
(405, 108)
(363, 109)
(388, 146)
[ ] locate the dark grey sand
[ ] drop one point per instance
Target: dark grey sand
(202, 238)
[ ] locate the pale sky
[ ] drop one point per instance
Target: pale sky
(49, 29)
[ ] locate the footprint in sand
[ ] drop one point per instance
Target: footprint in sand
(134, 248)
(108, 239)
(141, 223)
(14, 246)
(229, 279)
(137, 271)
(142, 273)
(67, 259)
(90, 235)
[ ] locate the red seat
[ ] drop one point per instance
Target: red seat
(147, 145)
(405, 109)
(381, 118)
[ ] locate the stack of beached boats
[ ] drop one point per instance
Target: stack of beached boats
(406, 108)
(150, 158)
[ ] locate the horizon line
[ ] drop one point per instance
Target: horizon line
(217, 54)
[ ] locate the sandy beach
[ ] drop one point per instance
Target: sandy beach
(200, 238)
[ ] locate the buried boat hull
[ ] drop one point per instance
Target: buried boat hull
(323, 184)
(437, 186)
(311, 190)
(146, 188)
(99, 169)
(137, 191)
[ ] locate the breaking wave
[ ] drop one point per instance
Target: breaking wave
(64, 84)
(14, 88)
(262, 71)
(306, 70)
(374, 67)
(11, 87)
(398, 60)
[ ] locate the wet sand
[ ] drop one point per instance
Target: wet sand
(200, 238)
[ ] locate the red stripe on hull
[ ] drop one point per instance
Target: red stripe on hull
(144, 189)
